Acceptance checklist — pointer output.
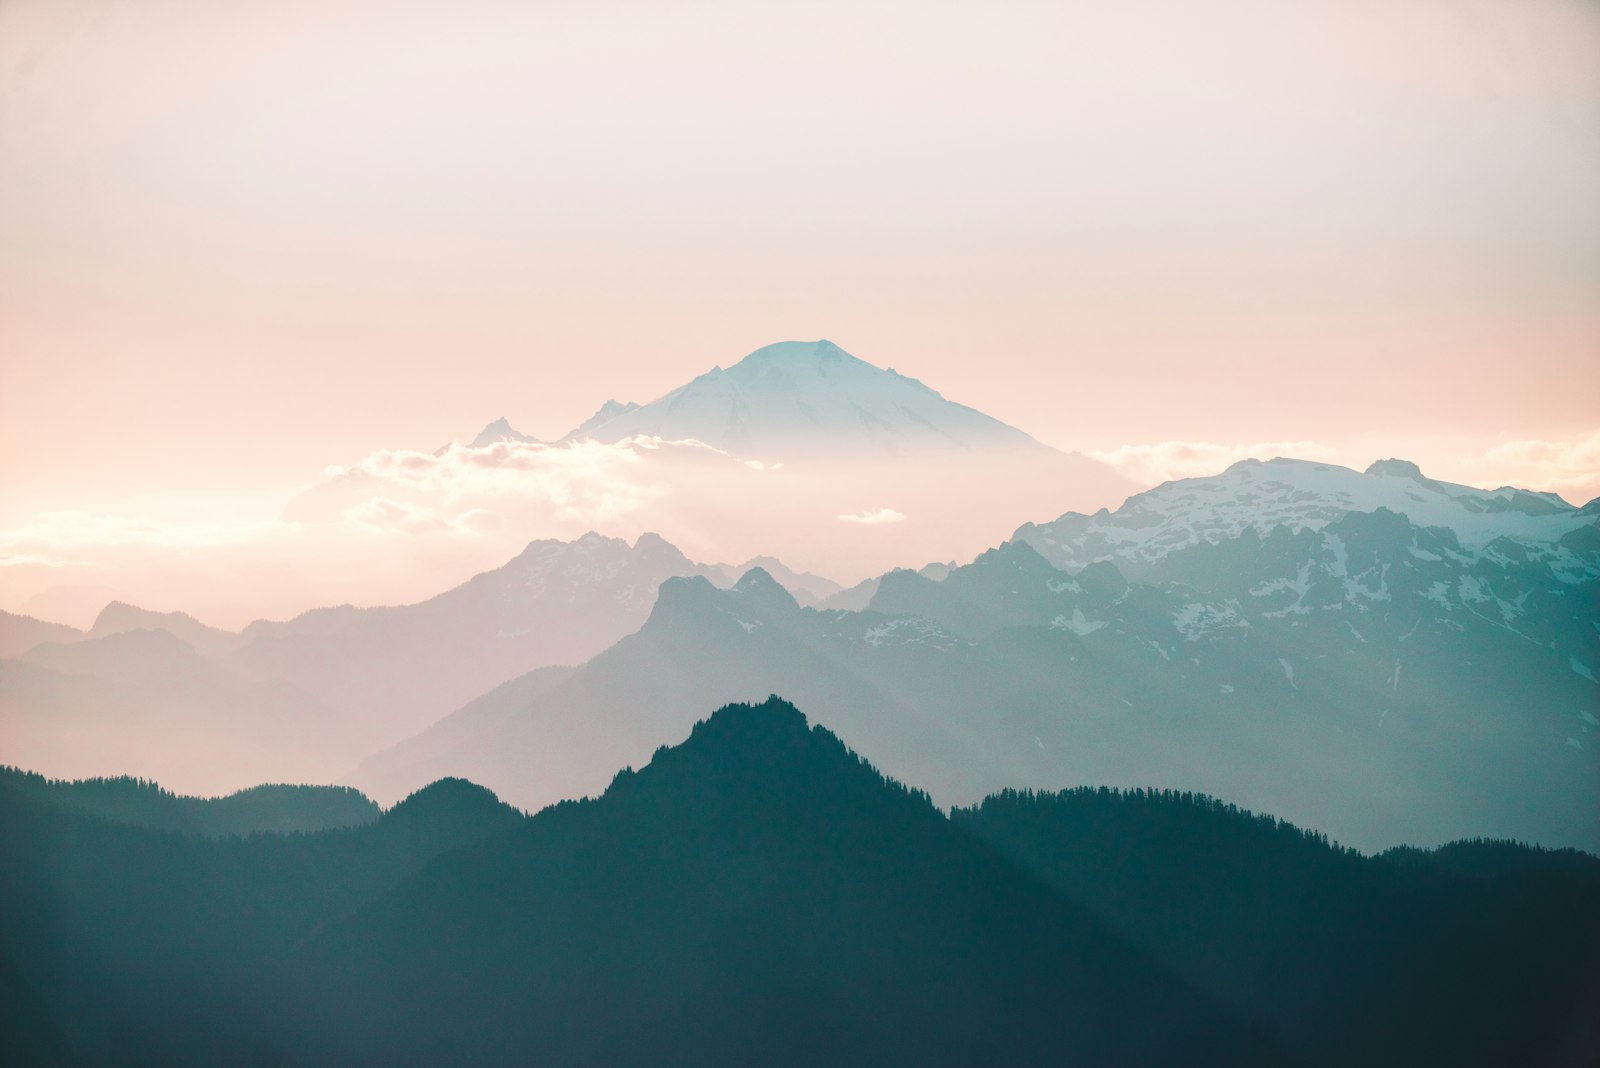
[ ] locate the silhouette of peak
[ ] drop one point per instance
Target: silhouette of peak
(608, 411)
(796, 397)
(758, 585)
(683, 594)
(501, 430)
(652, 544)
(450, 799)
(1103, 578)
(543, 549)
(769, 720)
(1393, 468)
(796, 354)
(119, 615)
(1013, 555)
(902, 592)
(749, 752)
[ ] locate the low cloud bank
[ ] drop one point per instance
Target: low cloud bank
(1164, 461)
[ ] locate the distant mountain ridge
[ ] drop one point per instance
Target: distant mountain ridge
(811, 394)
(1303, 494)
(1430, 683)
(348, 680)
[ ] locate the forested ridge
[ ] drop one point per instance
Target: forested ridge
(761, 894)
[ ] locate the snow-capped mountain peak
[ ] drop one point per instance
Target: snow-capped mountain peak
(608, 411)
(805, 397)
(502, 430)
(1299, 495)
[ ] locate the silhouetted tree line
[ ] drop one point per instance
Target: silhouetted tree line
(269, 808)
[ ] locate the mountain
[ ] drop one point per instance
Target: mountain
(145, 700)
(800, 451)
(121, 944)
(802, 397)
(349, 680)
(501, 430)
(760, 894)
(1305, 495)
(757, 894)
(608, 411)
(1369, 677)
(20, 633)
(119, 618)
(807, 588)
(400, 668)
(277, 809)
(1353, 960)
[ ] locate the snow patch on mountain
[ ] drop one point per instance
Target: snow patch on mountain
(1198, 620)
(910, 630)
(1300, 495)
(1078, 623)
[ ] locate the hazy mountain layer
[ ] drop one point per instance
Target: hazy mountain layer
(210, 711)
(1305, 495)
(1367, 678)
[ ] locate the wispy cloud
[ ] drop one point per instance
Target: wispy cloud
(873, 517)
(1164, 461)
(587, 482)
(1573, 463)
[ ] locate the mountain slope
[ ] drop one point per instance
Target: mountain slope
(1304, 495)
(756, 894)
(120, 618)
(126, 945)
(275, 809)
(759, 894)
(307, 698)
(20, 633)
(809, 396)
(1354, 960)
(1359, 678)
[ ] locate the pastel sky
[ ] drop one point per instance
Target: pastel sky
(240, 242)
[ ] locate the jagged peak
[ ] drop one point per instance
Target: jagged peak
(502, 430)
(682, 592)
(758, 584)
(608, 411)
(1015, 554)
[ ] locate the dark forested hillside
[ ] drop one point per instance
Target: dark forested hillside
(1482, 953)
(276, 809)
(127, 945)
(761, 895)
(757, 895)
